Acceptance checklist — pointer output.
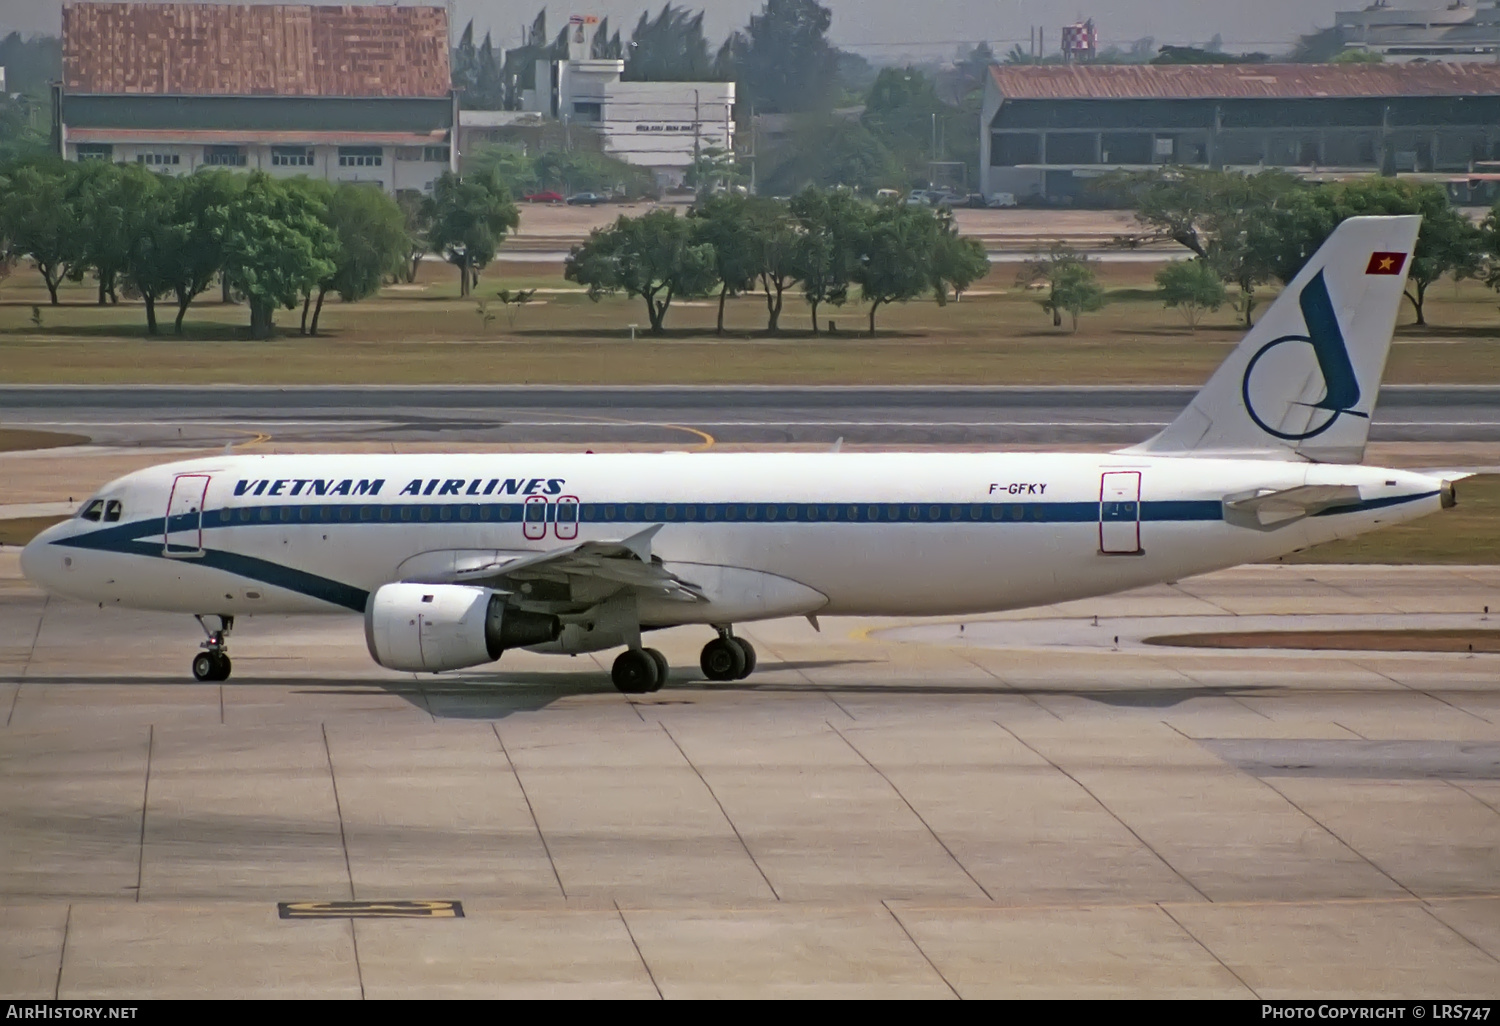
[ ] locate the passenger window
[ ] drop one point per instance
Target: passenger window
(112, 510)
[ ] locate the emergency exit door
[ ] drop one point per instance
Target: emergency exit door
(1120, 513)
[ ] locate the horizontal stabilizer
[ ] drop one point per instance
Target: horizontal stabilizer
(1266, 509)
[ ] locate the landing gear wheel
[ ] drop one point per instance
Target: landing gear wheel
(749, 651)
(635, 672)
(205, 666)
(211, 666)
(723, 659)
(661, 667)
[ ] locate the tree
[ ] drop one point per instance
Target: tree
(276, 248)
(831, 225)
(829, 152)
(147, 235)
(200, 217)
(713, 168)
(786, 64)
(1358, 57)
(896, 255)
(470, 217)
(416, 216)
(653, 256)
(104, 190)
(777, 253)
(958, 261)
(1072, 286)
(669, 48)
(1221, 216)
(1192, 287)
(728, 225)
(39, 215)
(370, 232)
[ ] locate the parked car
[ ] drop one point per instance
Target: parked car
(1001, 199)
(918, 198)
(544, 197)
(887, 194)
(587, 199)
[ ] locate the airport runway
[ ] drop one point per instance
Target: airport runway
(686, 417)
(1033, 811)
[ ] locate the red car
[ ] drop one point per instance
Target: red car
(545, 197)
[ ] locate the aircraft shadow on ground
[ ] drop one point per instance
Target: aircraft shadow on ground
(495, 696)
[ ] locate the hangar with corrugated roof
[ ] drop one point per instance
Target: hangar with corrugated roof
(339, 93)
(1049, 132)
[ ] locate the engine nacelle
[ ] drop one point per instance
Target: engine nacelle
(432, 627)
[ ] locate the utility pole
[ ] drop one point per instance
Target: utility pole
(696, 169)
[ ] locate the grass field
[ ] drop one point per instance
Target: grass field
(423, 333)
(20, 439)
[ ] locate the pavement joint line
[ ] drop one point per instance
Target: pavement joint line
(1002, 681)
(1471, 794)
(811, 683)
(359, 972)
(1420, 691)
(1351, 730)
(1115, 816)
(62, 952)
(925, 956)
(1211, 952)
(738, 836)
(339, 809)
(140, 865)
(1459, 933)
(1331, 833)
(516, 772)
(26, 667)
(913, 810)
(638, 953)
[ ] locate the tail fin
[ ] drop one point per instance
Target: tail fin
(1302, 383)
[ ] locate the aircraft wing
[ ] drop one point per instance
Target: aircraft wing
(1266, 510)
(627, 563)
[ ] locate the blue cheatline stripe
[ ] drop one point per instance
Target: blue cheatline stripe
(1369, 504)
(680, 512)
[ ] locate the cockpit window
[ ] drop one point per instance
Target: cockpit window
(93, 510)
(112, 511)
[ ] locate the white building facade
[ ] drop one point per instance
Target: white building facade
(663, 126)
(1459, 31)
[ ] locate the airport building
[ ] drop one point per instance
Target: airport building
(1458, 31)
(1047, 132)
(338, 93)
(658, 125)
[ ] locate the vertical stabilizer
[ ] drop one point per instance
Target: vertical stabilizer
(1302, 383)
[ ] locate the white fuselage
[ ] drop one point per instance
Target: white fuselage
(763, 535)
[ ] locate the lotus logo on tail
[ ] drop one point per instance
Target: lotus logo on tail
(1341, 386)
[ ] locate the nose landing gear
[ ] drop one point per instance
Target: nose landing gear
(212, 664)
(727, 657)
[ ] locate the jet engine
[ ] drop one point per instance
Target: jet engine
(432, 627)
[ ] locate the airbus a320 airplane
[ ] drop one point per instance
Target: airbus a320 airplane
(453, 559)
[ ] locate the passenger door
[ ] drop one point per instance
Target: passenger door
(182, 530)
(1120, 513)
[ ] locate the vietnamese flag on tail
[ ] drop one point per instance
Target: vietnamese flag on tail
(1386, 263)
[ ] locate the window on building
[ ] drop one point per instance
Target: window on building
(360, 156)
(408, 153)
(158, 159)
(588, 111)
(1070, 148)
(224, 156)
(291, 156)
(435, 154)
(95, 151)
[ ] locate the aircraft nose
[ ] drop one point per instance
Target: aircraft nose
(41, 561)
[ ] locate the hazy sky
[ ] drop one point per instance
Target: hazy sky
(891, 27)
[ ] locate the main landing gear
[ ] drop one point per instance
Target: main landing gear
(639, 671)
(212, 664)
(727, 657)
